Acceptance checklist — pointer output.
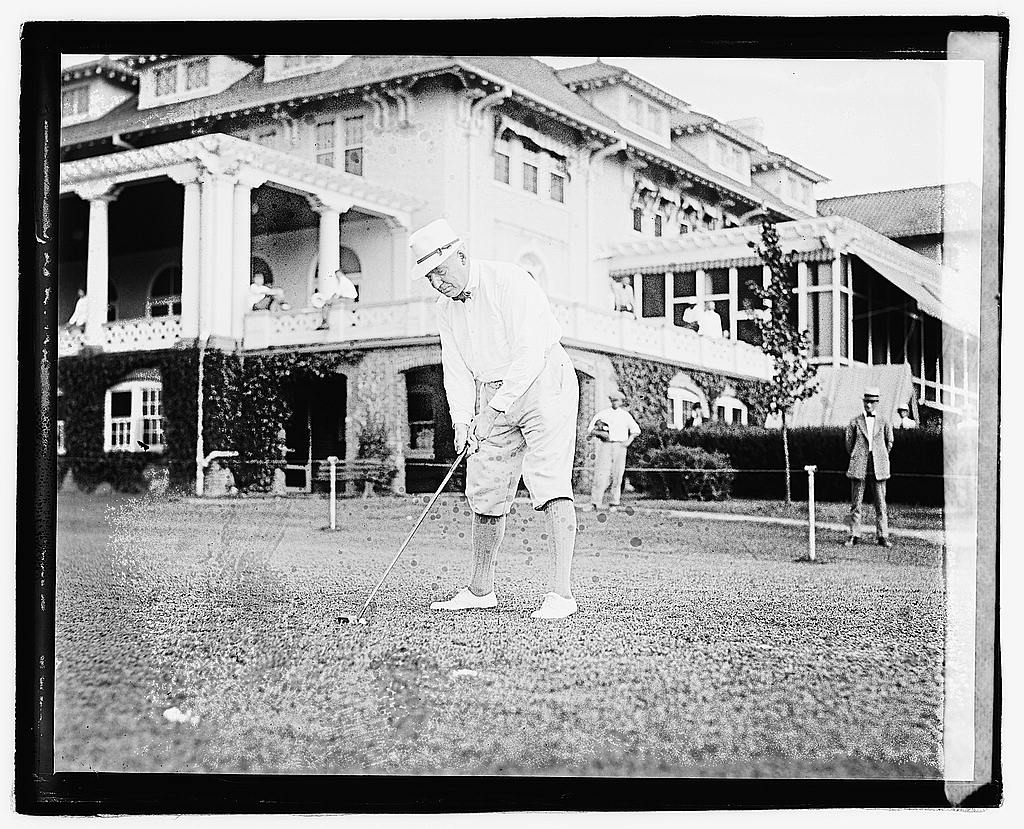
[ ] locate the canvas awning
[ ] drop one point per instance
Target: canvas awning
(841, 393)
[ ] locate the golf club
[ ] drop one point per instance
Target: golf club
(360, 618)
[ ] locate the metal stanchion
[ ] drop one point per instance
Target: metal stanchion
(333, 461)
(810, 510)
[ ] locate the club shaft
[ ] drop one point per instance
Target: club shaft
(415, 527)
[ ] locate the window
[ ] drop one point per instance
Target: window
(529, 178)
(323, 144)
(729, 409)
(197, 73)
(657, 225)
(61, 417)
(166, 80)
(134, 414)
(74, 101)
(354, 145)
(684, 228)
(501, 168)
(558, 188)
(638, 220)
(685, 401)
(165, 295)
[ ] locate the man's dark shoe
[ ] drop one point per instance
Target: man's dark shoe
(851, 540)
(883, 541)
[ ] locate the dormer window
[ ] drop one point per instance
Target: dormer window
(197, 73)
(74, 101)
(166, 80)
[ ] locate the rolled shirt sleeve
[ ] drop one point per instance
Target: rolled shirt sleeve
(459, 385)
(529, 331)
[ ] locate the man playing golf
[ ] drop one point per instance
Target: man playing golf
(514, 400)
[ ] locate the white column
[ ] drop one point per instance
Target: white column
(836, 265)
(191, 232)
(801, 296)
(734, 300)
(401, 284)
(97, 274)
(241, 254)
(330, 209)
(216, 249)
(638, 295)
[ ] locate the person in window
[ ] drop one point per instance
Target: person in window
(333, 290)
(903, 419)
(266, 297)
(710, 323)
(81, 313)
(514, 401)
(621, 430)
(868, 441)
(696, 417)
(622, 291)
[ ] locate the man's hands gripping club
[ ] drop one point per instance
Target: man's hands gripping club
(477, 431)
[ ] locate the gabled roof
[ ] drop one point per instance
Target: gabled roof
(138, 61)
(535, 84)
(693, 121)
(110, 70)
(767, 159)
(598, 73)
(914, 211)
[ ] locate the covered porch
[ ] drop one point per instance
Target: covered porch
(164, 240)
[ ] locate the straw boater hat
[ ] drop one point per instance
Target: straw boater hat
(871, 393)
(616, 395)
(431, 245)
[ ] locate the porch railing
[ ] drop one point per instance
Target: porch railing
(140, 334)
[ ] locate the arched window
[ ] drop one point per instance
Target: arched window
(730, 409)
(165, 294)
(683, 395)
(134, 413)
(260, 266)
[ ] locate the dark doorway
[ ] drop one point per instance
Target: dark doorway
(431, 448)
(315, 431)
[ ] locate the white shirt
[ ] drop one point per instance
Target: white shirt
(502, 332)
(621, 425)
(691, 315)
(81, 313)
(710, 324)
(337, 285)
(870, 420)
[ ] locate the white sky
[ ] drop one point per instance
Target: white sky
(866, 125)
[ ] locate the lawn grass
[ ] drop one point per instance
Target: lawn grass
(700, 648)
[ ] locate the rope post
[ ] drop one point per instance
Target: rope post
(333, 461)
(810, 510)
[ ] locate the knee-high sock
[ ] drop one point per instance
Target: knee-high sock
(561, 515)
(488, 531)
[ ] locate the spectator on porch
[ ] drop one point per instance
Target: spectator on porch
(332, 290)
(612, 442)
(903, 419)
(710, 323)
(691, 317)
(81, 312)
(623, 294)
(266, 297)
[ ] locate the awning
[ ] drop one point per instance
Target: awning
(841, 393)
(543, 141)
(925, 289)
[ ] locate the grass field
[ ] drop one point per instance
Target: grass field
(700, 647)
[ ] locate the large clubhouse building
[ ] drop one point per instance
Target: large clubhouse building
(182, 177)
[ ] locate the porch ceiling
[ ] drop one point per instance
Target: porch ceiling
(234, 156)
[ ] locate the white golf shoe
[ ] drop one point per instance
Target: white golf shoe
(555, 607)
(465, 599)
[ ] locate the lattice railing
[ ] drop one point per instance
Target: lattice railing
(141, 334)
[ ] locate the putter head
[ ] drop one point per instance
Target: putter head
(352, 620)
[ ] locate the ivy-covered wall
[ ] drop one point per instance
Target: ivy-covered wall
(645, 384)
(84, 379)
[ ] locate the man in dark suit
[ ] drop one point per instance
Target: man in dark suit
(868, 441)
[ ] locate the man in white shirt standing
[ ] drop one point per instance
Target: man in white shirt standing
(868, 441)
(710, 323)
(81, 313)
(611, 452)
(514, 399)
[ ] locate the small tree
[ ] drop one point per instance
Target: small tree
(793, 372)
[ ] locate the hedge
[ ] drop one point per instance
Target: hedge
(715, 484)
(916, 459)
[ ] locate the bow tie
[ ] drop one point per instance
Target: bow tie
(463, 296)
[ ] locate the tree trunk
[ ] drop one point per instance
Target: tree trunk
(785, 453)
